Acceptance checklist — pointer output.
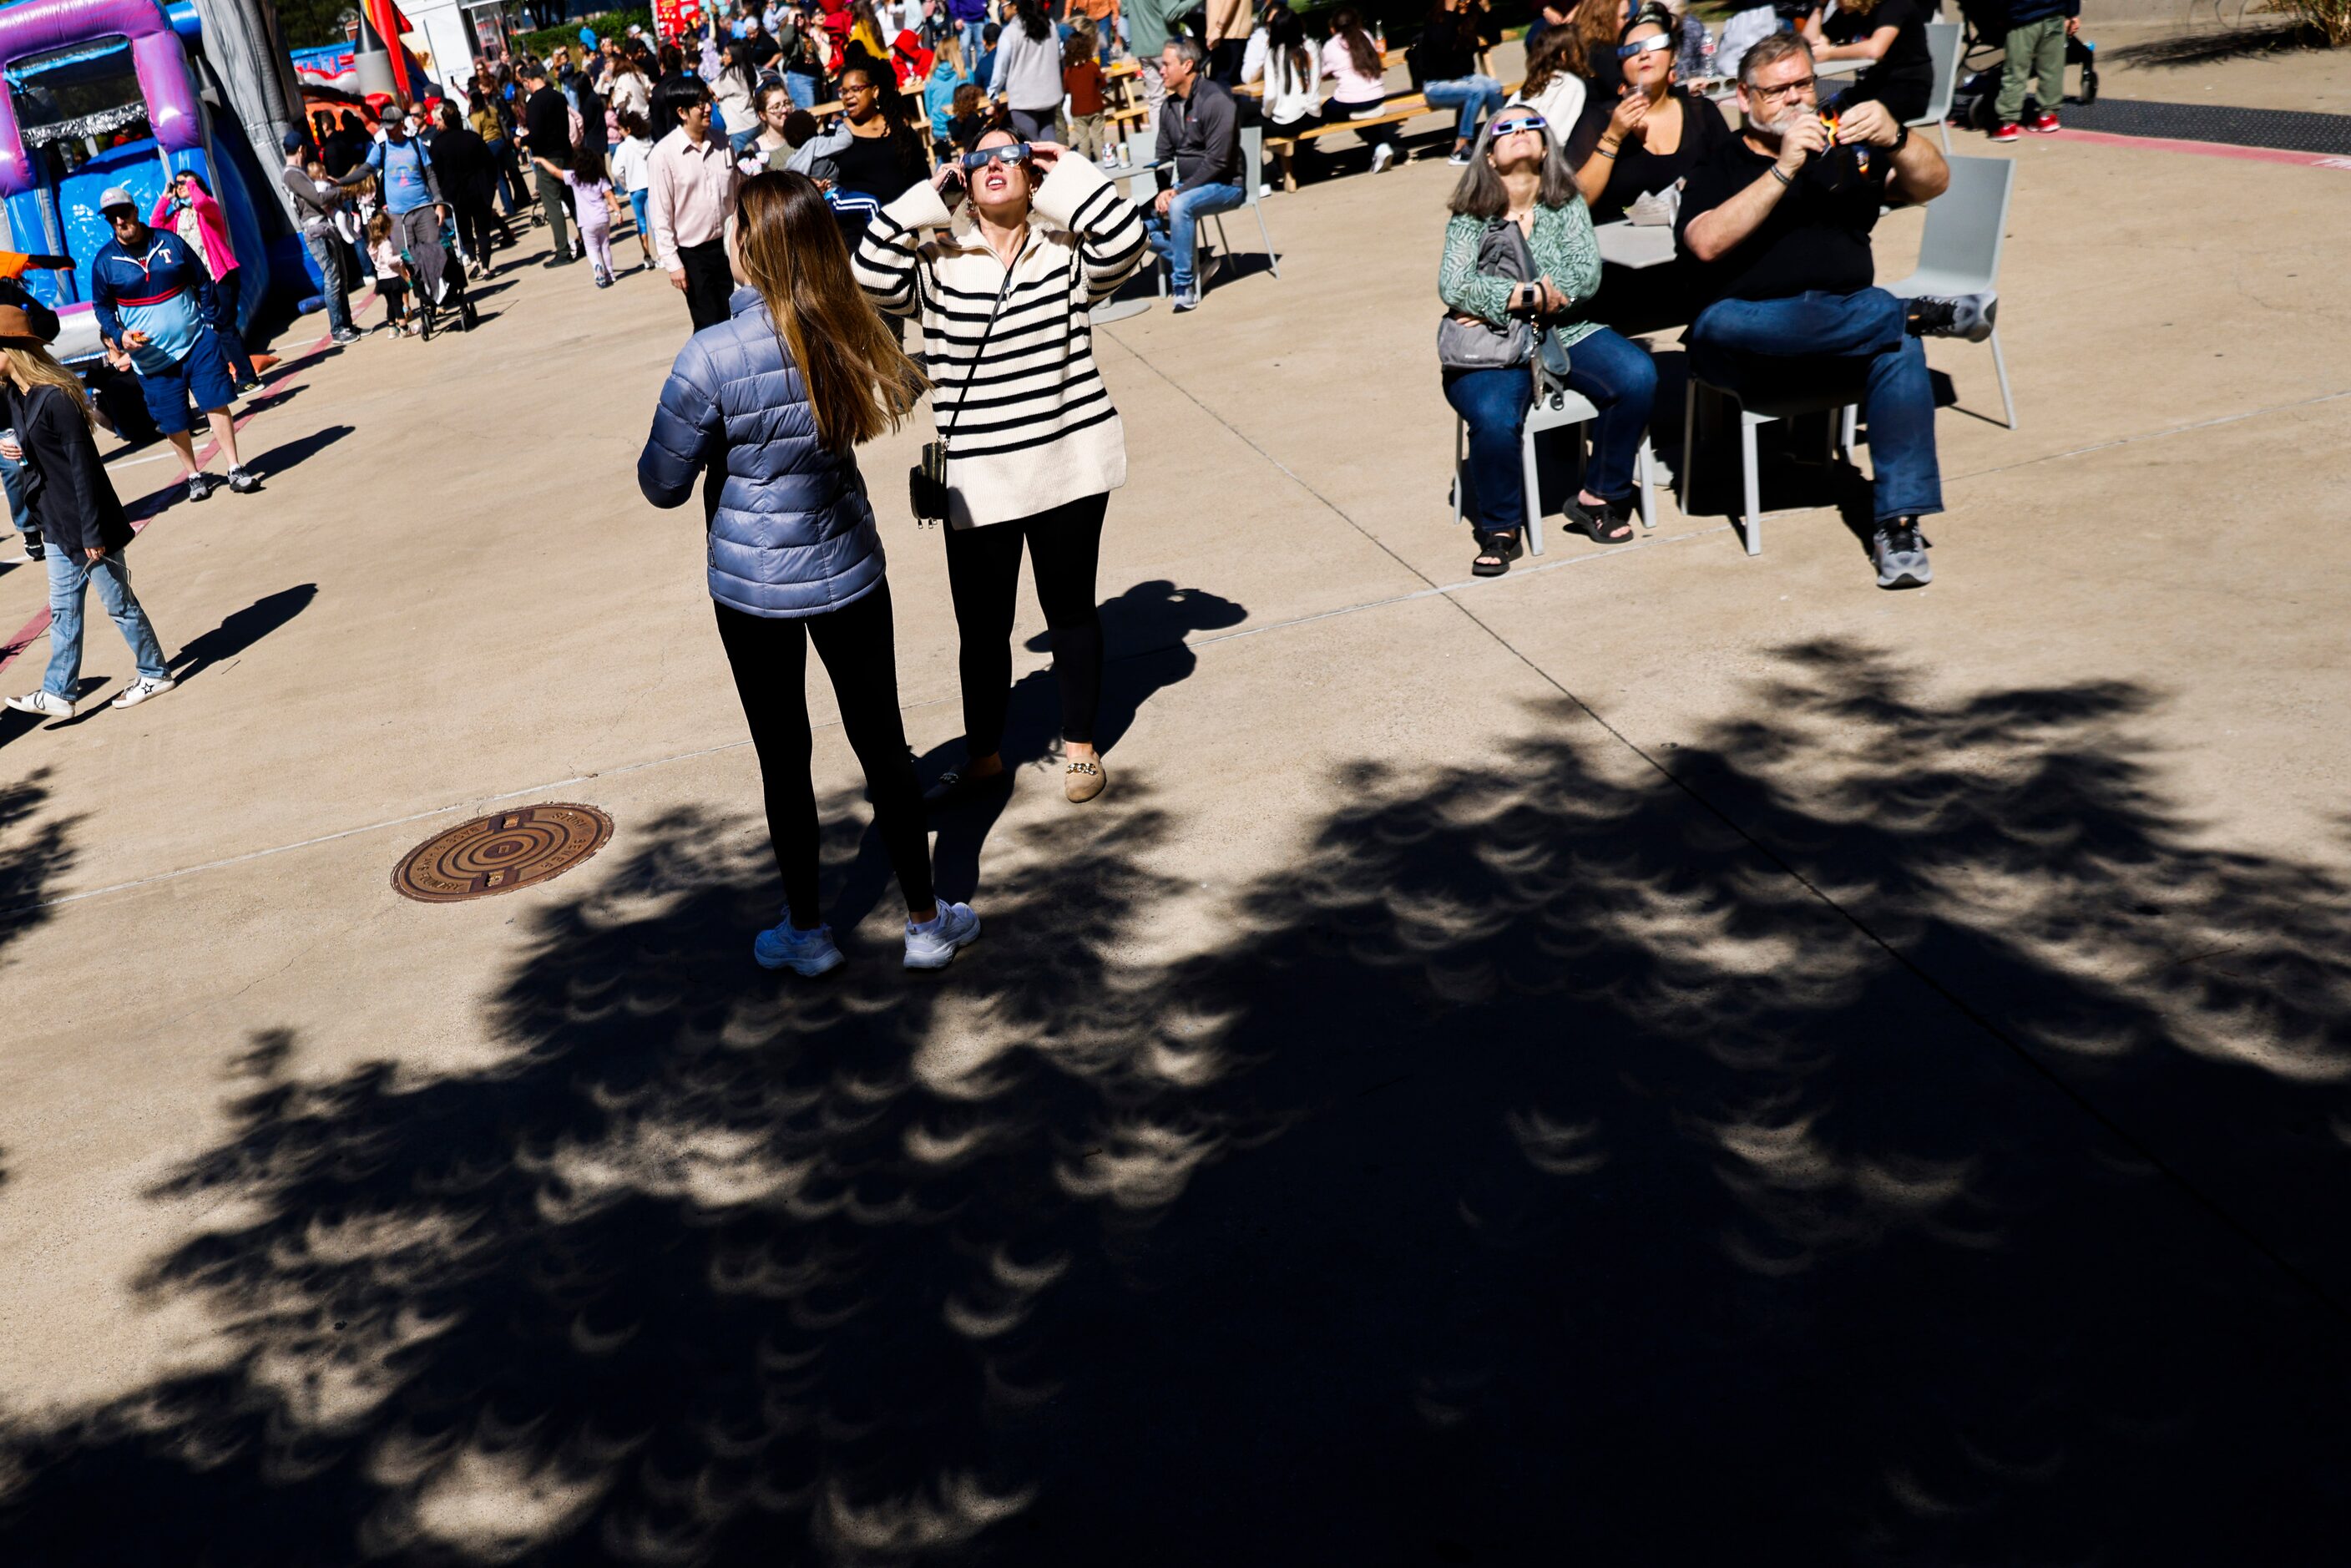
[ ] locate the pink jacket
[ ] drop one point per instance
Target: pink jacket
(210, 222)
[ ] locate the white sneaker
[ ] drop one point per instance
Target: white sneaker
(140, 690)
(785, 947)
(1383, 155)
(933, 944)
(45, 702)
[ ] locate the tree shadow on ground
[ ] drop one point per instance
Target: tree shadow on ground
(1146, 651)
(2204, 47)
(33, 855)
(1538, 1169)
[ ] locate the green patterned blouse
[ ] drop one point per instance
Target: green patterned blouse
(1564, 250)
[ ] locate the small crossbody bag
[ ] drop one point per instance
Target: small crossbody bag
(926, 482)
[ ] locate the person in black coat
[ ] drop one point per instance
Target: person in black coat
(469, 177)
(79, 519)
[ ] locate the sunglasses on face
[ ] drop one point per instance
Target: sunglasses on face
(1646, 46)
(1011, 153)
(1511, 125)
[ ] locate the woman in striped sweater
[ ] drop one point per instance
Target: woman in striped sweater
(1002, 282)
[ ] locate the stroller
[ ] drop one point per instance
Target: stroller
(1986, 22)
(453, 296)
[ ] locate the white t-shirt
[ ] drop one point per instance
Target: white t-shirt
(632, 163)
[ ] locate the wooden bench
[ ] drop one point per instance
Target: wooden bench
(1392, 111)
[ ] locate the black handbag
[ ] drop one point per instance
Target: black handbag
(926, 482)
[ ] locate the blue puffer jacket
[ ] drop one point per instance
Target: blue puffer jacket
(790, 532)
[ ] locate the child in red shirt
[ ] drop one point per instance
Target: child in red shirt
(1081, 78)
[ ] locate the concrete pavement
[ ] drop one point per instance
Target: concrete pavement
(1644, 865)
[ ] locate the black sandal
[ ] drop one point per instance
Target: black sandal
(1496, 551)
(1611, 525)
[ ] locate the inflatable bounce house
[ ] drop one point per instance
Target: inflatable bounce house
(96, 93)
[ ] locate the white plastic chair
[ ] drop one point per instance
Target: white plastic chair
(1842, 402)
(1959, 251)
(1943, 50)
(1558, 412)
(1252, 154)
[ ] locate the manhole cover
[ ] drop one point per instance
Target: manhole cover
(501, 853)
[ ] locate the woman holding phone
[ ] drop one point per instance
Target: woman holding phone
(773, 403)
(1003, 252)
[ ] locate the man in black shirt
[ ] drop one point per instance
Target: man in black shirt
(546, 127)
(1778, 221)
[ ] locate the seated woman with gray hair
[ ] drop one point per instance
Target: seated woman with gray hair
(1520, 248)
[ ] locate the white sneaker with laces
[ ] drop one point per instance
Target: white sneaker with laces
(140, 690)
(1382, 156)
(785, 947)
(45, 702)
(933, 944)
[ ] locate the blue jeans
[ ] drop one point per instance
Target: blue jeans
(1494, 404)
(974, 45)
(1862, 334)
(12, 480)
(801, 87)
(1620, 380)
(1475, 97)
(71, 572)
(328, 253)
(1173, 236)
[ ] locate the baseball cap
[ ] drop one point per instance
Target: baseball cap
(115, 197)
(294, 141)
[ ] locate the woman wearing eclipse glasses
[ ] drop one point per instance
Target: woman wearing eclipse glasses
(1002, 253)
(1646, 140)
(1521, 249)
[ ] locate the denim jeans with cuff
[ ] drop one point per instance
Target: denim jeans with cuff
(70, 575)
(1172, 236)
(1745, 345)
(1475, 97)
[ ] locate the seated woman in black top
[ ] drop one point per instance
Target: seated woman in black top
(1645, 141)
(1638, 145)
(1892, 34)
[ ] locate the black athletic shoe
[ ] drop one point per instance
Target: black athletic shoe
(244, 481)
(350, 335)
(1969, 316)
(955, 789)
(201, 486)
(559, 261)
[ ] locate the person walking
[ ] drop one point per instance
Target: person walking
(470, 177)
(632, 172)
(692, 182)
(1035, 236)
(154, 306)
(1027, 74)
(412, 195)
(187, 206)
(81, 525)
(547, 133)
(773, 403)
(596, 208)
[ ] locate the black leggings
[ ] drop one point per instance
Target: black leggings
(769, 658)
(984, 574)
(476, 218)
(709, 283)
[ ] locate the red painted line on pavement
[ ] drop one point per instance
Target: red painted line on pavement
(2209, 150)
(146, 509)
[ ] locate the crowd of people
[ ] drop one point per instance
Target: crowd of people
(804, 234)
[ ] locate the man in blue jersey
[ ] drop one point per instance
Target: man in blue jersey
(155, 303)
(411, 195)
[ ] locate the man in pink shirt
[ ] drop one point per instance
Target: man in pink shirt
(691, 193)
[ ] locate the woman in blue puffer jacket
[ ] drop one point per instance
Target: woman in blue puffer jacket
(771, 404)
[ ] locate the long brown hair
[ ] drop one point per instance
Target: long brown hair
(1595, 24)
(1347, 26)
(1557, 52)
(860, 382)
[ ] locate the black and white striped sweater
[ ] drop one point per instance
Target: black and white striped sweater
(1036, 428)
